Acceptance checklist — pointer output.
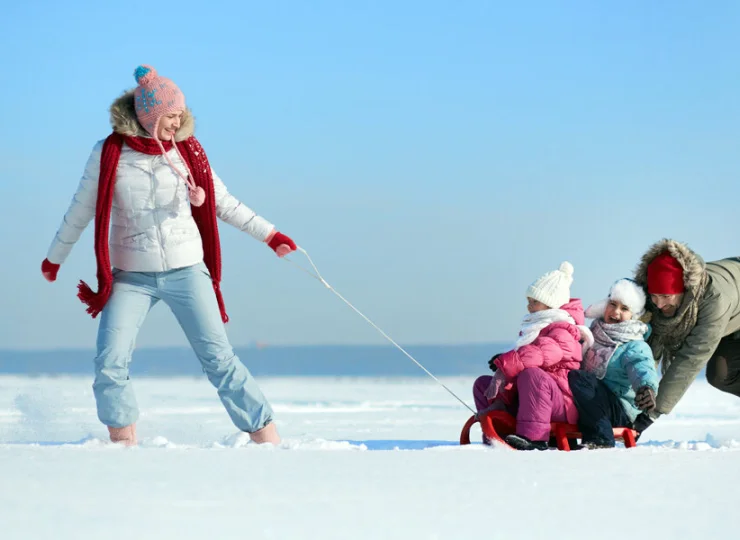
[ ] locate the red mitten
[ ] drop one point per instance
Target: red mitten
(281, 244)
(49, 270)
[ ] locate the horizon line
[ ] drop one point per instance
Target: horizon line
(262, 346)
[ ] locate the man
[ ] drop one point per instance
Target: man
(695, 320)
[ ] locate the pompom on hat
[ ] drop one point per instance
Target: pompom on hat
(155, 97)
(626, 291)
(553, 289)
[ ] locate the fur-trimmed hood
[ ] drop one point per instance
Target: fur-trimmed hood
(694, 268)
(123, 119)
(669, 333)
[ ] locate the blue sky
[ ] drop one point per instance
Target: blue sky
(434, 158)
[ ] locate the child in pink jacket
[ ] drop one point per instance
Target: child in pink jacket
(531, 380)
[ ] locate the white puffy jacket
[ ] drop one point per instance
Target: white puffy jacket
(152, 228)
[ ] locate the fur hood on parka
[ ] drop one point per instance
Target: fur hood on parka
(694, 269)
(669, 333)
(123, 119)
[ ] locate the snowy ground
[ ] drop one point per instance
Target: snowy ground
(362, 458)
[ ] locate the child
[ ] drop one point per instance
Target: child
(618, 367)
(536, 370)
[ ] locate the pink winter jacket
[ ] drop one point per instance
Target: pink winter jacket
(556, 350)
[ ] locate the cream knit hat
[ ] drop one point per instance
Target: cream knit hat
(553, 289)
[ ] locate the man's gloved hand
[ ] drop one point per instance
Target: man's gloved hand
(491, 364)
(642, 422)
(645, 399)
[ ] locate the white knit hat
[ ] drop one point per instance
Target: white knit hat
(553, 289)
(626, 291)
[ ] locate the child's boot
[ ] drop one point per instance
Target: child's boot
(597, 444)
(520, 442)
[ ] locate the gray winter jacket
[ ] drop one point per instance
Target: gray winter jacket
(718, 316)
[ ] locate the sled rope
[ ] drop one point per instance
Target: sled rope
(317, 275)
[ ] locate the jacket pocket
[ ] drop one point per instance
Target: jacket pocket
(181, 235)
(135, 241)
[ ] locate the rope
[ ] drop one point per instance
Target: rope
(317, 275)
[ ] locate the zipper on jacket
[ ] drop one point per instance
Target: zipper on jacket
(160, 237)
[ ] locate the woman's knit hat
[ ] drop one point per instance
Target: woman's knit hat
(626, 291)
(154, 97)
(553, 289)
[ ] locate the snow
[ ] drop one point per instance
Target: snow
(361, 458)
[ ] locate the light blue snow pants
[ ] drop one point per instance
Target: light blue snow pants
(189, 294)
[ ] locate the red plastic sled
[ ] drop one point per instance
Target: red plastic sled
(496, 425)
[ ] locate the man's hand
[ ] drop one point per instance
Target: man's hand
(645, 399)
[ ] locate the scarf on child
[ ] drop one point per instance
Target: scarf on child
(205, 215)
(607, 337)
(534, 323)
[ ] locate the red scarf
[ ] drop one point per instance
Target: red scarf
(204, 216)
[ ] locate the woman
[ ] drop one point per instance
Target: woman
(155, 200)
